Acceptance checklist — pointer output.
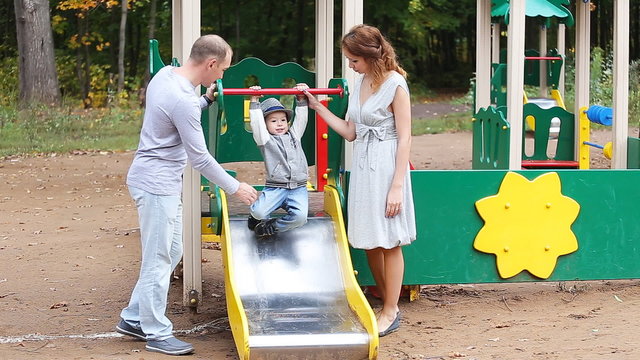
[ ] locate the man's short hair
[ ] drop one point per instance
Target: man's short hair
(208, 46)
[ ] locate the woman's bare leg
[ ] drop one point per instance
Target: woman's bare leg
(375, 257)
(393, 274)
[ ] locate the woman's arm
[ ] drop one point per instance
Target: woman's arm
(401, 108)
(346, 129)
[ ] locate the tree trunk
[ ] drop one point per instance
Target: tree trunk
(121, 42)
(38, 80)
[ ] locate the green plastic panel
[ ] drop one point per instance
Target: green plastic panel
(607, 228)
(565, 146)
(491, 134)
(155, 60)
(499, 84)
(633, 153)
(554, 69)
(338, 106)
(490, 139)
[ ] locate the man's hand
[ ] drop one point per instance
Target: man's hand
(211, 90)
(246, 193)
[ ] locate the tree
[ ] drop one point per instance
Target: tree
(121, 42)
(38, 80)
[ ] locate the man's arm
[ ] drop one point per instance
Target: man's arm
(186, 119)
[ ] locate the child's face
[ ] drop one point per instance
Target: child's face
(277, 123)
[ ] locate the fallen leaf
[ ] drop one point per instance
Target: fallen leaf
(59, 305)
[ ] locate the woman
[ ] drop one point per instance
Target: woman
(381, 215)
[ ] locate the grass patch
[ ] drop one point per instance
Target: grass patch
(454, 122)
(45, 130)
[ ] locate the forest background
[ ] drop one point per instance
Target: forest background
(86, 91)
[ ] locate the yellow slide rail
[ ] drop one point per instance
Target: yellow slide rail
(235, 311)
(357, 301)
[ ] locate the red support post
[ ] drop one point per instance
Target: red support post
(322, 150)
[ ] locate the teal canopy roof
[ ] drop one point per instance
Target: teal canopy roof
(545, 9)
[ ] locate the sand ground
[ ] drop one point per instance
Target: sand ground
(69, 251)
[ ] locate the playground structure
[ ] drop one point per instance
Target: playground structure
(500, 225)
(279, 304)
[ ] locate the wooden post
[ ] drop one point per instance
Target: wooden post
(583, 54)
(562, 51)
(186, 30)
(620, 84)
(352, 15)
(543, 63)
(515, 80)
(483, 54)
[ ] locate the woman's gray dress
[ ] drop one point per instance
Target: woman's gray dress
(373, 166)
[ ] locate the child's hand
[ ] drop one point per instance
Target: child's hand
(301, 87)
(256, 97)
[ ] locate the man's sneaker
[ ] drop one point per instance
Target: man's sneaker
(170, 346)
(266, 228)
(124, 328)
(252, 222)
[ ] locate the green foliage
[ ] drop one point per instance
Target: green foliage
(67, 77)
(601, 83)
(43, 129)
(8, 81)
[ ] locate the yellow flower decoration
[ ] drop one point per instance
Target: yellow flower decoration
(527, 225)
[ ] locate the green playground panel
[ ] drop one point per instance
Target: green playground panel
(607, 228)
(155, 60)
(565, 146)
(633, 153)
(491, 132)
(490, 149)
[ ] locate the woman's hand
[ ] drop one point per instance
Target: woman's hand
(394, 202)
(314, 104)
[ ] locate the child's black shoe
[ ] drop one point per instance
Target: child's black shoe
(252, 222)
(266, 228)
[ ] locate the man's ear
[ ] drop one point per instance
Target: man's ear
(211, 63)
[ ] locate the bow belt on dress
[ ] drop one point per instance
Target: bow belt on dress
(371, 136)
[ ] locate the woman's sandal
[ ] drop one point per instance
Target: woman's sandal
(393, 327)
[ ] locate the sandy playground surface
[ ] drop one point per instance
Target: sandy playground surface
(69, 251)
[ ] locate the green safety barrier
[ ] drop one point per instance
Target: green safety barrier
(633, 153)
(491, 132)
(566, 144)
(607, 228)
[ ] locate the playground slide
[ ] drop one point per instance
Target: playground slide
(295, 296)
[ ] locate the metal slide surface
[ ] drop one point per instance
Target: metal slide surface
(292, 293)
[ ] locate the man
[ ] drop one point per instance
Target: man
(171, 134)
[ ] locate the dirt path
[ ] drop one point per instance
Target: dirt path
(70, 255)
